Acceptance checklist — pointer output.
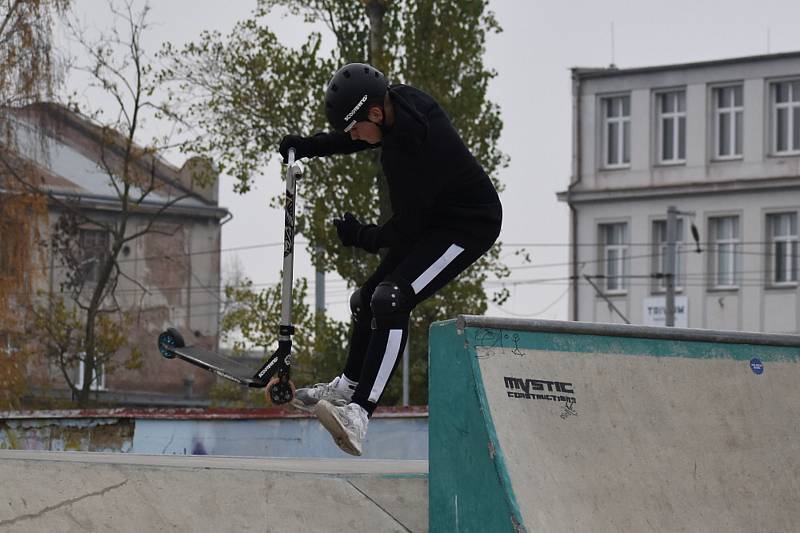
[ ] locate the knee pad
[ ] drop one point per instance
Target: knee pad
(391, 305)
(360, 310)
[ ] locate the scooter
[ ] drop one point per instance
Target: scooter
(275, 373)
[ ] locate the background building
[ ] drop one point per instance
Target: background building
(169, 276)
(720, 141)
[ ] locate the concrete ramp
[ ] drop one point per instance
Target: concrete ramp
(97, 492)
(562, 426)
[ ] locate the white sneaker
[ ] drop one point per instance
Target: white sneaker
(347, 424)
(337, 392)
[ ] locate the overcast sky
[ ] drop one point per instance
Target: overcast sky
(539, 43)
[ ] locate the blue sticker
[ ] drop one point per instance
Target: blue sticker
(756, 366)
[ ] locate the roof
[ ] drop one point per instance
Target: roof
(73, 159)
(607, 72)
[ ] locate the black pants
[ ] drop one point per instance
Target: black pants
(413, 274)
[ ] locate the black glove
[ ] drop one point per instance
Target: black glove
(348, 229)
(303, 147)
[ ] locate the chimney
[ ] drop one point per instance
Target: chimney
(199, 175)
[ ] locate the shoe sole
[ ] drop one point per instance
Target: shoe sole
(300, 406)
(335, 428)
(309, 407)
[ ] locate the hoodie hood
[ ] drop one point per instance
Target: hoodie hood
(410, 126)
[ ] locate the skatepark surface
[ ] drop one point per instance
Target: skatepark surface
(99, 492)
(558, 426)
(534, 426)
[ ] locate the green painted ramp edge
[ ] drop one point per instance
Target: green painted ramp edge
(638, 346)
(469, 486)
(468, 483)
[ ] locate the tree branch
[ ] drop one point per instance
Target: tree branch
(154, 218)
(9, 15)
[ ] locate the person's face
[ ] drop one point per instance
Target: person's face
(368, 130)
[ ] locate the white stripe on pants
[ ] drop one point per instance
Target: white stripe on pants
(436, 268)
(392, 351)
(390, 356)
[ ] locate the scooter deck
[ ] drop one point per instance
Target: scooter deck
(222, 365)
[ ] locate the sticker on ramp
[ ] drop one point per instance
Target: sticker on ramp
(756, 366)
(539, 389)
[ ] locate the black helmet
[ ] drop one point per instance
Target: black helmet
(350, 91)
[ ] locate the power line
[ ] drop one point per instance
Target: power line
(182, 254)
(682, 278)
(685, 252)
(708, 244)
(597, 244)
(219, 314)
(490, 283)
(568, 281)
(587, 261)
(530, 315)
(498, 282)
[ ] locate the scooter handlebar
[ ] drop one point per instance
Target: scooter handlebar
(295, 167)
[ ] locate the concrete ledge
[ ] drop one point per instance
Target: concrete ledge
(97, 492)
(266, 464)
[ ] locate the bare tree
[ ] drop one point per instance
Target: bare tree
(29, 72)
(85, 328)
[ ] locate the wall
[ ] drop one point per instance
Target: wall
(394, 433)
(757, 162)
(169, 277)
(753, 307)
(751, 187)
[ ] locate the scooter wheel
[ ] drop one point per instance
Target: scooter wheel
(168, 340)
(280, 391)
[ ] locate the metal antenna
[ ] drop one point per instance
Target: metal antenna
(613, 51)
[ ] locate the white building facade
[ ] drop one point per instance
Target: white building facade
(718, 140)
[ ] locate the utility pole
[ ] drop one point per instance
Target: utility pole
(670, 267)
(319, 284)
(406, 354)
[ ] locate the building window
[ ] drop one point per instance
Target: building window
(728, 116)
(94, 246)
(786, 117)
(783, 239)
(671, 127)
(660, 254)
(614, 238)
(98, 377)
(725, 245)
(616, 131)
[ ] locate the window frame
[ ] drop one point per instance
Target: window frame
(732, 111)
(771, 253)
(98, 383)
(714, 271)
(622, 260)
(89, 273)
(677, 115)
(659, 251)
(773, 115)
(622, 121)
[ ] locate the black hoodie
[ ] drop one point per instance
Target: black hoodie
(435, 183)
